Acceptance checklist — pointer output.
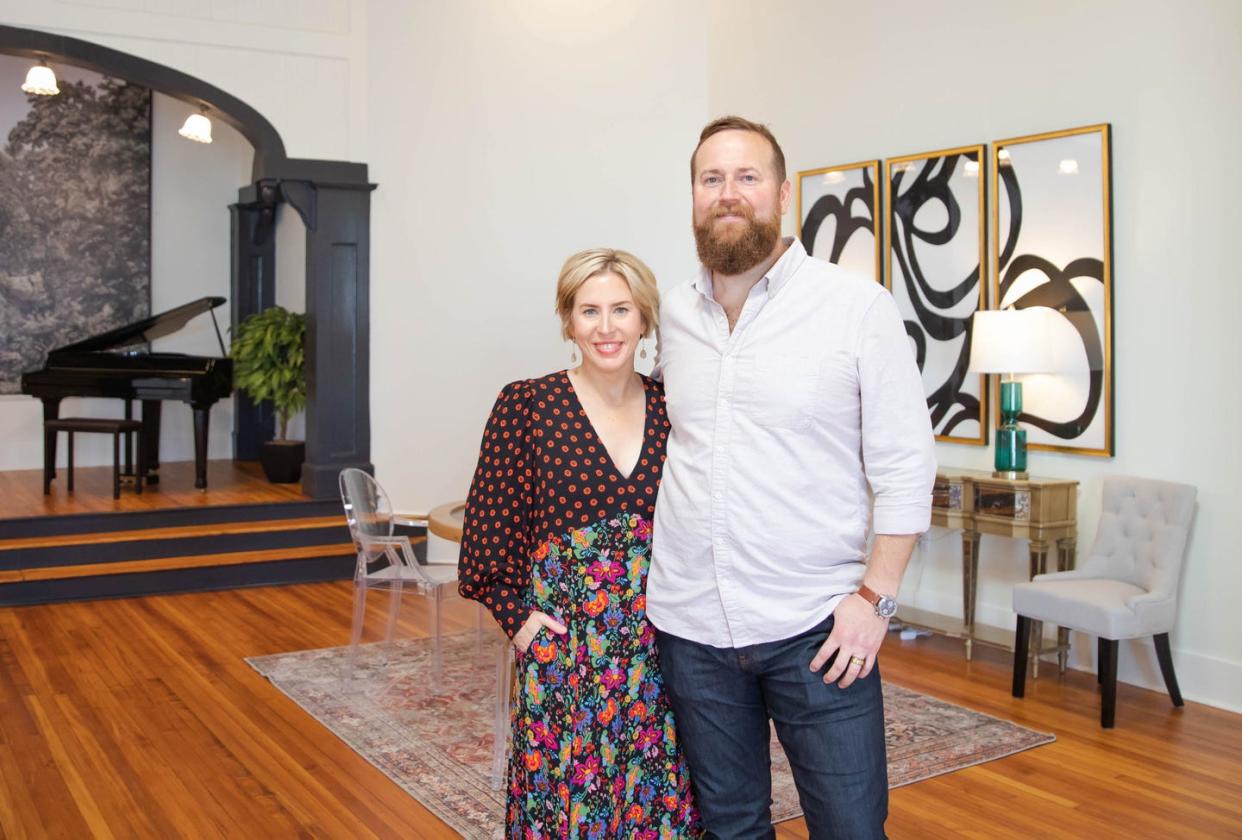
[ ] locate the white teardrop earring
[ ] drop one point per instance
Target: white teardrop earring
(573, 354)
(642, 349)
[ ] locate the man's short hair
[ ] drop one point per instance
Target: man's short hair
(734, 123)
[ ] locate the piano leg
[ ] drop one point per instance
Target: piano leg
(51, 411)
(149, 439)
(129, 440)
(201, 417)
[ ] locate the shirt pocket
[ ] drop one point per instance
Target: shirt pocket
(690, 392)
(782, 390)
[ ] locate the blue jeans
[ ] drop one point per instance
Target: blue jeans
(722, 700)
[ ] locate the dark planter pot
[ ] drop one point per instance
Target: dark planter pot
(282, 460)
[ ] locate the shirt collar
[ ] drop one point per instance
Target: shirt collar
(777, 277)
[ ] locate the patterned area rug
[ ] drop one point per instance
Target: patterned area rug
(437, 745)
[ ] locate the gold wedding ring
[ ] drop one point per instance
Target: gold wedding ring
(858, 660)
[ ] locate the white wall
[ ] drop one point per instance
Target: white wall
(505, 137)
(840, 82)
(257, 54)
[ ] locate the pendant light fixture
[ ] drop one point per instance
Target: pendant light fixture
(197, 127)
(41, 80)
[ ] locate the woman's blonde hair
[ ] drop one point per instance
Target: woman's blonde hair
(584, 265)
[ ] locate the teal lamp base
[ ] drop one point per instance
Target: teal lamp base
(1010, 439)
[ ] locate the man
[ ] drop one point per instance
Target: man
(798, 422)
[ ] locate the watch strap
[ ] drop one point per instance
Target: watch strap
(869, 595)
(883, 605)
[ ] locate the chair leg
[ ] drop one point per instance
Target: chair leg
(1099, 660)
(140, 475)
(1165, 655)
(1021, 643)
(501, 723)
(69, 469)
(1108, 705)
(137, 472)
(355, 633)
(394, 610)
(437, 655)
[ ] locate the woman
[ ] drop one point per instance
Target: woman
(556, 544)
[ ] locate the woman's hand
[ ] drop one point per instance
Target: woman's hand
(537, 620)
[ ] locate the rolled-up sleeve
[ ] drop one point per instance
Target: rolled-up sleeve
(494, 568)
(898, 445)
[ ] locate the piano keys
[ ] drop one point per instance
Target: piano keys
(118, 364)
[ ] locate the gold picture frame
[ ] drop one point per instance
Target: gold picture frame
(1056, 251)
(838, 194)
(935, 242)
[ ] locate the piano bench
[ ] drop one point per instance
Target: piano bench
(91, 425)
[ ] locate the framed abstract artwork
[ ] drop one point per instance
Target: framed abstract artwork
(936, 242)
(1052, 211)
(838, 216)
(75, 212)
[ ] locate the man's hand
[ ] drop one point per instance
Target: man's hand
(856, 632)
(537, 620)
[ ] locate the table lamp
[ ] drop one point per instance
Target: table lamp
(1007, 342)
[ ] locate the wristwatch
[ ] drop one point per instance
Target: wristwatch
(885, 605)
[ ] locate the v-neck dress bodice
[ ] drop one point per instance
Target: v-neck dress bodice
(543, 474)
(552, 525)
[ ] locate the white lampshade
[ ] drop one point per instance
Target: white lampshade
(41, 80)
(1017, 341)
(197, 128)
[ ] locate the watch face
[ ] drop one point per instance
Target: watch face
(887, 607)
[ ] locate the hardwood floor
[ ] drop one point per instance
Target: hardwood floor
(139, 718)
(228, 483)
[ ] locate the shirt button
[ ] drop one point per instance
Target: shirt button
(717, 496)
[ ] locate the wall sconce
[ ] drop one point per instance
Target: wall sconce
(1006, 342)
(197, 127)
(41, 80)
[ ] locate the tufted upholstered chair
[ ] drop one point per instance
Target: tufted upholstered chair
(1126, 588)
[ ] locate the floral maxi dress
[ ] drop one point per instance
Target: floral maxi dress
(551, 524)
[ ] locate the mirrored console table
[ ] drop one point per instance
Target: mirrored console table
(1042, 511)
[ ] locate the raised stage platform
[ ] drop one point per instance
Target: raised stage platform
(240, 531)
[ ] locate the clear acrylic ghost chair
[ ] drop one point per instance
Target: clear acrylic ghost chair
(387, 561)
(501, 725)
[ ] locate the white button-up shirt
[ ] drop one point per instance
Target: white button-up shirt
(791, 436)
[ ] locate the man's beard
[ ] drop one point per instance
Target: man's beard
(737, 255)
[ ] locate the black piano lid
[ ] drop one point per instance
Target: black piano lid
(140, 332)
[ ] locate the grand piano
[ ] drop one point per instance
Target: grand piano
(119, 364)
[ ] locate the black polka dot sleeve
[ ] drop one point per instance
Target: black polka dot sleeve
(496, 534)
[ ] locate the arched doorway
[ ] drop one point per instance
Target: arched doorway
(333, 199)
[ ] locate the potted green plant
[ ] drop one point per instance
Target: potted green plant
(269, 355)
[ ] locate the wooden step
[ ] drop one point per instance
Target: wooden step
(164, 564)
(209, 530)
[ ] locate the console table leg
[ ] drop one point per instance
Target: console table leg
(970, 584)
(1065, 562)
(1039, 565)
